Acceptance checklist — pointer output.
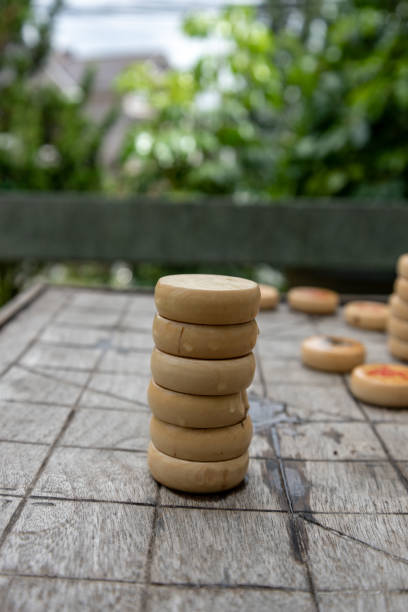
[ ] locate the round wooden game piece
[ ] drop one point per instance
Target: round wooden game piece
(402, 265)
(401, 288)
(196, 476)
(204, 341)
(202, 376)
(398, 308)
(398, 348)
(366, 314)
(332, 353)
(269, 297)
(200, 411)
(313, 300)
(207, 299)
(384, 384)
(216, 444)
(398, 328)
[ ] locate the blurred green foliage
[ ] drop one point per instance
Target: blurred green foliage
(47, 142)
(312, 107)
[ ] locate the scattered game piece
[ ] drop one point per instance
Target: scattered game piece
(384, 384)
(402, 265)
(398, 307)
(207, 299)
(332, 353)
(196, 476)
(199, 411)
(204, 341)
(269, 297)
(202, 376)
(313, 300)
(218, 444)
(366, 314)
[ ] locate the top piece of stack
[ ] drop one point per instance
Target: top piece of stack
(398, 316)
(204, 334)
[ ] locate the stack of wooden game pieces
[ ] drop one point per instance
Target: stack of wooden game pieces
(398, 316)
(202, 364)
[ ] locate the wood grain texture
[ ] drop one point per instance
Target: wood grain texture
(103, 300)
(18, 465)
(79, 540)
(21, 385)
(68, 335)
(88, 318)
(26, 324)
(44, 355)
(121, 386)
(395, 437)
(38, 594)
(363, 601)
(7, 507)
(30, 422)
(136, 341)
(225, 548)
(311, 402)
(126, 361)
(79, 473)
(99, 399)
(291, 371)
(261, 490)
(325, 503)
(168, 599)
(98, 428)
(330, 441)
(340, 562)
(345, 487)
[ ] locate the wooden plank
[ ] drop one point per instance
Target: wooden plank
(127, 387)
(81, 473)
(7, 507)
(88, 318)
(347, 234)
(76, 336)
(21, 385)
(126, 362)
(79, 540)
(363, 601)
(312, 402)
(342, 563)
(262, 490)
(38, 594)
(329, 441)
(97, 428)
(18, 465)
(31, 422)
(24, 323)
(168, 599)
(395, 437)
(339, 486)
(331, 512)
(44, 355)
(225, 548)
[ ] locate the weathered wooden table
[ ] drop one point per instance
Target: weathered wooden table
(321, 522)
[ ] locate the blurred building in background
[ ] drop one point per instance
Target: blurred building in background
(66, 71)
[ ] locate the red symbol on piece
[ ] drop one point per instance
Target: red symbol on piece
(387, 372)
